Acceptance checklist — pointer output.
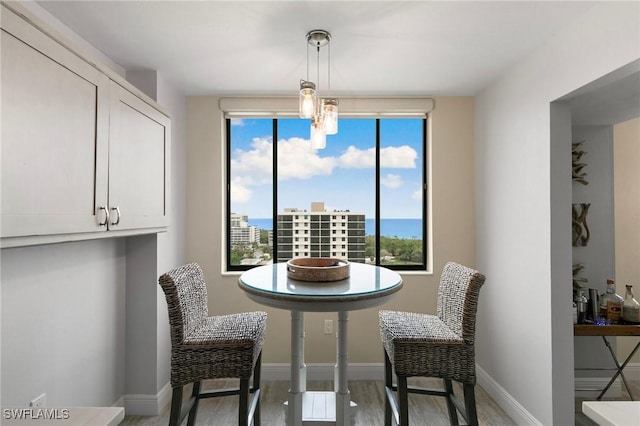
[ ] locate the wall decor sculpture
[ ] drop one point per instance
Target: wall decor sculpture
(576, 154)
(578, 282)
(581, 231)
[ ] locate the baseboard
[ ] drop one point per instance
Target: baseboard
(512, 407)
(119, 402)
(147, 405)
(588, 387)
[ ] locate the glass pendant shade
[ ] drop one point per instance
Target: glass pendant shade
(330, 113)
(323, 112)
(307, 99)
(318, 135)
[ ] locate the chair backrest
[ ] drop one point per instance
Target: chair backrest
(458, 299)
(186, 294)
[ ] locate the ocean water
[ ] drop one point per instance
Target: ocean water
(401, 228)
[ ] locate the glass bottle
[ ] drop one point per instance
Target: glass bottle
(630, 308)
(611, 304)
(581, 305)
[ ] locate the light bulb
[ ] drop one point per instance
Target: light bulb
(318, 136)
(307, 99)
(330, 112)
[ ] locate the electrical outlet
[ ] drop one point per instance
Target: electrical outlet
(39, 402)
(328, 326)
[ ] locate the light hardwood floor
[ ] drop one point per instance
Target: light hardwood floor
(423, 410)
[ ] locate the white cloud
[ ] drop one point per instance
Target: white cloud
(354, 158)
(253, 167)
(296, 160)
(240, 193)
(391, 181)
(417, 194)
(397, 157)
(237, 122)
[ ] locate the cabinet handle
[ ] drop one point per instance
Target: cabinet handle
(106, 215)
(117, 210)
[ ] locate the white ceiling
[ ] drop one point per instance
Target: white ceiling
(447, 48)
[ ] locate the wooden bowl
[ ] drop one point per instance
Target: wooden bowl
(318, 269)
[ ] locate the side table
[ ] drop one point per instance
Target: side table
(611, 330)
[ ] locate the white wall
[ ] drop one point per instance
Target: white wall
(598, 255)
(77, 318)
(527, 345)
(63, 323)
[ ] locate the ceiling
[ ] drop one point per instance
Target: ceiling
(378, 48)
(445, 48)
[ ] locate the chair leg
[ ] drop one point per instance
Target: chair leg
(388, 384)
(195, 396)
(453, 413)
(243, 409)
(403, 401)
(470, 404)
(176, 406)
(256, 388)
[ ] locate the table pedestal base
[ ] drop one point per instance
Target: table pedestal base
(319, 408)
(308, 408)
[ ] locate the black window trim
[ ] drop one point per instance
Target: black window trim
(425, 199)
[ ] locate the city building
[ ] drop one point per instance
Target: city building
(321, 233)
(241, 232)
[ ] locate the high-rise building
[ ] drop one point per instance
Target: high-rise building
(241, 232)
(320, 233)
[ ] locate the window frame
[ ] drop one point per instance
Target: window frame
(373, 108)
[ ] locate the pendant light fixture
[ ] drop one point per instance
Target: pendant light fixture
(323, 112)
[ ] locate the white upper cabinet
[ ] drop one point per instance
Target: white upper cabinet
(82, 156)
(138, 162)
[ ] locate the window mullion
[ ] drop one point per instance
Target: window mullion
(377, 208)
(274, 213)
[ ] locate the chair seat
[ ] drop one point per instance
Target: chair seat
(234, 330)
(422, 345)
(220, 347)
(416, 327)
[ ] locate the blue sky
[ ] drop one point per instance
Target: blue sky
(342, 175)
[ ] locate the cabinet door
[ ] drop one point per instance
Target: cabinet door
(54, 136)
(139, 147)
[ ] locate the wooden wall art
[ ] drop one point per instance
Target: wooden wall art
(581, 232)
(576, 154)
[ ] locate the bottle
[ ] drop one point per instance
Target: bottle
(630, 308)
(611, 304)
(581, 305)
(593, 307)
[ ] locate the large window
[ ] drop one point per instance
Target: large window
(363, 198)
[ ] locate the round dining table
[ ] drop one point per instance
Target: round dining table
(365, 287)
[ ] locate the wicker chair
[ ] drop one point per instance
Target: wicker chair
(421, 345)
(210, 347)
